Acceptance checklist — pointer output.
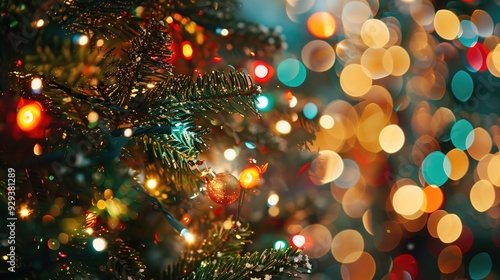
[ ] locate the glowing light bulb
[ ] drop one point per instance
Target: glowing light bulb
(283, 127)
(29, 116)
(230, 154)
(298, 240)
(187, 50)
(127, 132)
(261, 71)
(224, 32)
(93, 117)
(151, 183)
(36, 84)
(40, 23)
(189, 237)
(273, 199)
(24, 211)
(83, 40)
(99, 244)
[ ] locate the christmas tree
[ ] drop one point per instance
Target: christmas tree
(113, 184)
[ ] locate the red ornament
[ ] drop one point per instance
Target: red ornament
(224, 188)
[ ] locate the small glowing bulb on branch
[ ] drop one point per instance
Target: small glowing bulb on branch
(283, 127)
(151, 183)
(99, 244)
(127, 132)
(89, 231)
(36, 84)
(230, 154)
(83, 40)
(224, 32)
(29, 116)
(187, 50)
(273, 199)
(189, 237)
(24, 212)
(40, 23)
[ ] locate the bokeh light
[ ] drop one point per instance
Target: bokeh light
(187, 50)
(349, 176)
(354, 15)
(326, 121)
(317, 240)
(469, 33)
(462, 135)
(404, 266)
(362, 268)
(298, 241)
(36, 85)
(482, 195)
(450, 259)
(476, 56)
(401, 60)
(318, 55)
(459, 163)
(283, 127)
(230, 154)
(447, 24)
(449, 228)
(484, 23)
(347, 246)
(391, 138)
(29, 116)
(462, 85)
(355, 80)
(327, 167)
(265, 102)
(436, 168)
(434, 198)
(310, 110)
(292, 72)
(374, 33)
(99, 244)
(480, 266)
(321, 24)
(408, 200)
(378, 62)
(482, 144)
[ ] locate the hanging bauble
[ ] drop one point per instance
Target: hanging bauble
(250, 177)
(223, 188)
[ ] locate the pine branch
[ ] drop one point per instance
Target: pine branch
(105, 18)
(148, 63)
(222, 240)
(215, 92)
(124, 261)
(287, 263)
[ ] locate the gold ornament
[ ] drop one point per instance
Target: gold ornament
(223, 188)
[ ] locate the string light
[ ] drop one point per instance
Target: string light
(128, 132)
(36, 85)
(83, 40)
(24, 211)
(151, 183)
(99, 244)
(189, 237)
(187, 50)
(40, 23)
(29, 116)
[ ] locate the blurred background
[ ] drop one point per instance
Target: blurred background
(406, 97)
